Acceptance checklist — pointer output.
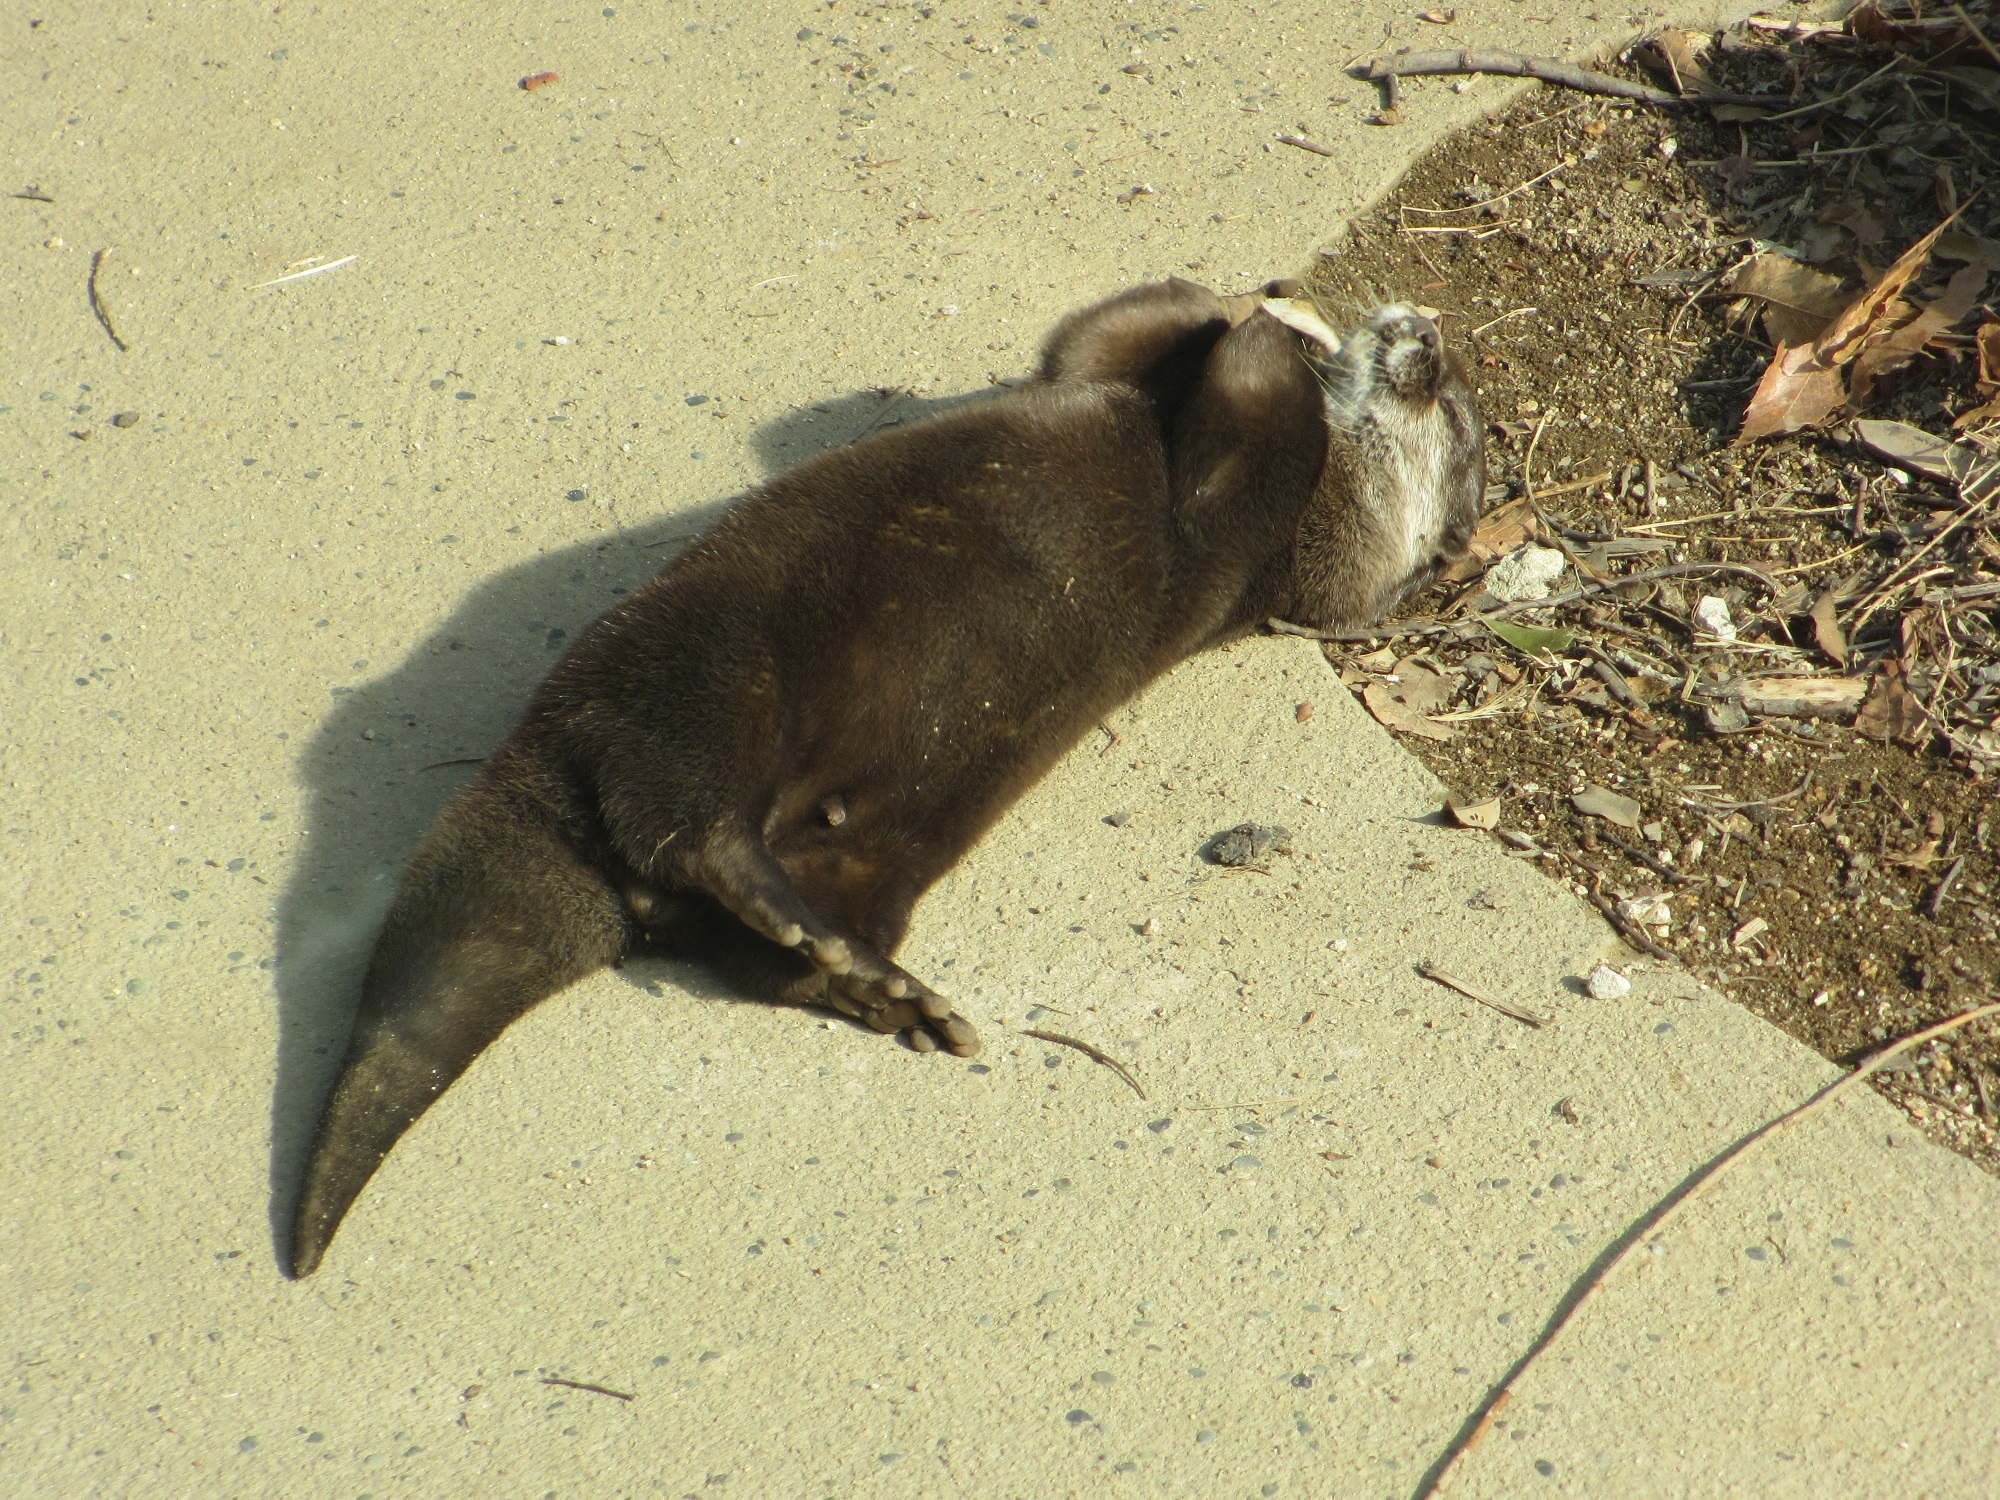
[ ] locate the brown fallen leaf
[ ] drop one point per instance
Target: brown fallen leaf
(1914, 859)
(1392, 715)
(1438, 17)
(1420, 688)
(1803, 385)
(1484, 814)
(1853, 216)
(1799, 389)
(1826, 628)
(1892, 711)
(1601, 802)
(1988, 341)
(1798, 301)
(1499, 534)
(1677, 55)
(1926, 453)
(1886, 355)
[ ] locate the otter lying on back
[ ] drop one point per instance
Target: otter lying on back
(769, 752)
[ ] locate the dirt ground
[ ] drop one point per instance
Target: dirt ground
(1839, 885)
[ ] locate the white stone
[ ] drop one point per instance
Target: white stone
(1647, 911)
(1712, 615)
(1525, 574)
(1606, 983)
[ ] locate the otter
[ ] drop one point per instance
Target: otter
(764, 756)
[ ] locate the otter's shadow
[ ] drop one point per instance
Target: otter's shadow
(392, 752)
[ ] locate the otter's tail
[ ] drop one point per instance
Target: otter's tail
(498, 911)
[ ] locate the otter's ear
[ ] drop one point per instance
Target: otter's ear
(1302, 317)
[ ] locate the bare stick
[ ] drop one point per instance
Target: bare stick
(1305, 145)
(97, 306)
(1547, 70)
(1092, 1053)
(1936, 903)
(1674, 570)
(1383, 633)
(1655, 1220)
(1631, 931)
(1438, 976)
(585, 1385)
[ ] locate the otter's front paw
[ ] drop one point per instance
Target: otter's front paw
(887, 998)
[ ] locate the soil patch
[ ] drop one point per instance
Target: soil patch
(1830, 859)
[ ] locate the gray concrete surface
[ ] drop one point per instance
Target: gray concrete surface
(356, 517)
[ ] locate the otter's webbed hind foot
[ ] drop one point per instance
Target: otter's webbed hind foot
(859, 981)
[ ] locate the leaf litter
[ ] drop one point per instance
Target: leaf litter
(1741, 363)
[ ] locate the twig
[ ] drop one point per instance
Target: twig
(1631, 931)
(332, 265)
(1546, 69)
(1936, 903)
(1806, 109)
(1093, 1053)
(439, 765)
(1522, 187)
(1528, 462)
(1305, 145)
(1730, 807)
(1574, 484)
(585, 1385)
(33, 195)
(1658, 866)
(1973, 27)
(1674, 570)
(1438, 976)
(97, 306)
(1350, 637)
(1519, 312)
(1651, 1223)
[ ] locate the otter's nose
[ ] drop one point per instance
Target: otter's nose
(1413, 356)
(1412, 326)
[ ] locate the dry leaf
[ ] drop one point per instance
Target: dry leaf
(1854, 217)
(1736, 114)
(1842, 341)
(1798, 390)
(1601, 802)
(1886, 355)
(1802, 385)
(1736, 171)
(1826, 628)
(1504, 530)
(1438, 17)
(1958, 245)
(1892, 711)
(1678, 54)
(1989, 353)
(1925, 453)
(1798, 301)
(1392, 715)
(1383, 659)
(1914, 859)
(1475, 814)
(1420, 688)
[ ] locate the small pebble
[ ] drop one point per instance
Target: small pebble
(1712, 615)
(126, 419)
(1606, 983)
(1525, 574)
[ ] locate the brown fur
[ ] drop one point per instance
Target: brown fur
(766, 755)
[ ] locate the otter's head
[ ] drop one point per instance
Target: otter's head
(1406, 465)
